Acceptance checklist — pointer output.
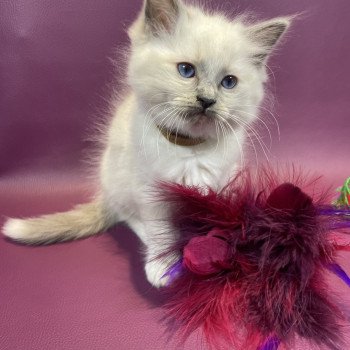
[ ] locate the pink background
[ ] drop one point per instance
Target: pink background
(54, 77)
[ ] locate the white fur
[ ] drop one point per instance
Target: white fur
(137, 155)
(15, 229)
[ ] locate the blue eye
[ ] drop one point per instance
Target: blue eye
(229, 82)
(186, 70)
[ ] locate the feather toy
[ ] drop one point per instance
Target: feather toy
(254, 260)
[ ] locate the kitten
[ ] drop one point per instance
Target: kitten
(196, 82)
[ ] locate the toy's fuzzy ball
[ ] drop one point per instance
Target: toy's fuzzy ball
(253, 264)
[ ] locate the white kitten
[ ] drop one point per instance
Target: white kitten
(196, 83)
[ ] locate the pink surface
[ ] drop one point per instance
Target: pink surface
(55, 73)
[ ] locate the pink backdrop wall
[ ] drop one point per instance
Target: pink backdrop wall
(54, 77)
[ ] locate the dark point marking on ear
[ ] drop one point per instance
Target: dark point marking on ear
(266, 35)
(269, 35)
(161, 15)
(259, 58)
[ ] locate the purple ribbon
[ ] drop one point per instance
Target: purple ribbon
(338, 271)
(173, 271)
(271, 344)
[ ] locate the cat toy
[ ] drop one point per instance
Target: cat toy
(254, 262)
(344, 197)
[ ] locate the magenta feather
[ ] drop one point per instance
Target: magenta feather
(254, 257)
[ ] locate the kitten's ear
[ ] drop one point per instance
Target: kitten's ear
(161, 15)
(266, 35)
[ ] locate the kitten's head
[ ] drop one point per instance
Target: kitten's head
(192, 70)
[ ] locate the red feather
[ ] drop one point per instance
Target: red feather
(253, 264)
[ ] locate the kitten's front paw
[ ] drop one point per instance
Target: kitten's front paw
(156, 272)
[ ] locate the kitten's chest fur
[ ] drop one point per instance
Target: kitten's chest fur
(201, 165)
(138, 156)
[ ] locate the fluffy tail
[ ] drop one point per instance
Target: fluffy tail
(84, 220)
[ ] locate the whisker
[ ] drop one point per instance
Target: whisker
(262, 144)
(236, 137)
(271, 115)
(183, 120)
(161, 126)
(262, 122)
(248, 135)
(254, 132)
(217, 135)
(173, 118)
(147, 122)
(224, 136)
